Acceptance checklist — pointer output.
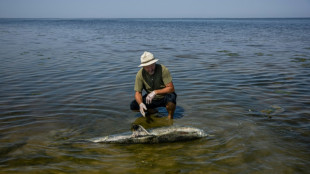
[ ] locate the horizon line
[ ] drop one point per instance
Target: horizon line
(154, 17)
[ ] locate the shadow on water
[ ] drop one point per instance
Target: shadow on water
(159, 119)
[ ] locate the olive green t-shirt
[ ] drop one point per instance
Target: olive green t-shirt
(149, 83)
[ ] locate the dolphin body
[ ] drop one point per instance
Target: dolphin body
(157, 135)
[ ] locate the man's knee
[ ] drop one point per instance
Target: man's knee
(134, 105)
(171, 97)
(170, 106)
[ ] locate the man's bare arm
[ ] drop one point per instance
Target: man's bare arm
(168, 89)
(138, 97)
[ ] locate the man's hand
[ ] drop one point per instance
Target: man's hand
(142, 108)
(150, 97)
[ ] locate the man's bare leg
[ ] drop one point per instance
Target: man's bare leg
(170, 108)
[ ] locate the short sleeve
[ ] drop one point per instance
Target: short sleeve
(139, 82)
(166, 75)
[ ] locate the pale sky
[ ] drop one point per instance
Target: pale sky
(154, 8)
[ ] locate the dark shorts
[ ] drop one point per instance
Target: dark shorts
(171, 97)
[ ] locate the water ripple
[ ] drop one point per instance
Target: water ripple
(243, 81)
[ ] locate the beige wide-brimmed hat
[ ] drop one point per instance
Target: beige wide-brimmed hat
(147, 59)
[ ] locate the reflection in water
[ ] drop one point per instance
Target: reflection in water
(158, 119)
(153, 121)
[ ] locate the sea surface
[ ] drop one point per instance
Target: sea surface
(245, 82)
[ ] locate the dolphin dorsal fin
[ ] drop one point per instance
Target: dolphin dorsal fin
(139, 130)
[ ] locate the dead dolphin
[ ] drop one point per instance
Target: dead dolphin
(157, 135)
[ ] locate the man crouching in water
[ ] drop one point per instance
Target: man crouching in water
(156, 80)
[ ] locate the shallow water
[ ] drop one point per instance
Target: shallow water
(243, 81)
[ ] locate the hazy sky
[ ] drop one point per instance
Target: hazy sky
(153, 8)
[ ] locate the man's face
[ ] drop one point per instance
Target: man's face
(150, 69)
